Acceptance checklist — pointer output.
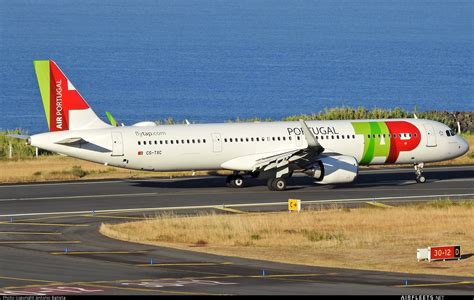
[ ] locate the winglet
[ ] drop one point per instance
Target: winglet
(112, 120)
(310, 138)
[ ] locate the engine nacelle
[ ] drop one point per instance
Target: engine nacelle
(334, 169)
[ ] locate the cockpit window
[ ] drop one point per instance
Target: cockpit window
(452, 133)
(448, 132)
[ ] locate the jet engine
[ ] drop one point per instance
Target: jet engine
(334, 169)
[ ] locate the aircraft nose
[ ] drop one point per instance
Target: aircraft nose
(463, 145)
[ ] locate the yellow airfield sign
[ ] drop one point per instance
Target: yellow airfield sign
(294, 205)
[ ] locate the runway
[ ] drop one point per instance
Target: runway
(49, 240)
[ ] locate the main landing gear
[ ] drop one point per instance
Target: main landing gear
(274, 184)
(419, 172)
(235, 181)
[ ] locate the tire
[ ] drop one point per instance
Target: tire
(421, 179)
(276, 184)
(237, 182)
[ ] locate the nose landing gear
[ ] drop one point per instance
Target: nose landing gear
(419, 172)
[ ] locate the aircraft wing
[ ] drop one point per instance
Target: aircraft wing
(279, 159)
(300, 157)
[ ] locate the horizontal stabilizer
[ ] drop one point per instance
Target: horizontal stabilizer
(19, 136)
(79, 142)
(70, 141)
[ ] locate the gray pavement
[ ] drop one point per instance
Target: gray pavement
(49, 240)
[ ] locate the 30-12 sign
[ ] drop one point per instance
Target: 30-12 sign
(445, 252)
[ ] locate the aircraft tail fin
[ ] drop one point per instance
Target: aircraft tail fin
(64, 107)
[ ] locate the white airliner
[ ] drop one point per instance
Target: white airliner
(329, 151)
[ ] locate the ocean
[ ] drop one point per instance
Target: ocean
(215, 60)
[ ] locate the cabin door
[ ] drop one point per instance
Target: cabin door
(430, 135)
(117, 144)
(216, 142)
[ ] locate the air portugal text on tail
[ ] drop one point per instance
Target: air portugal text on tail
(64, 107)
(328, 151)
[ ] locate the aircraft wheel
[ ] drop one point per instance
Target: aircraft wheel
(276, 184)
(421, 179)
(235, 181)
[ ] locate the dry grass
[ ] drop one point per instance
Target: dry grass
(59, 168)
(364, 238)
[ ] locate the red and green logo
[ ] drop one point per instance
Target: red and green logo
(58, 94)
(386, 139)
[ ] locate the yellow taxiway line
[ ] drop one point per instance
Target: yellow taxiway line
(30, 233)
(39, 242)
(378, 204)
(96, 252)
(435, 284)
(183, 264)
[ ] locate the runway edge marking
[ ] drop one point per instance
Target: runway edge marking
(124, 210)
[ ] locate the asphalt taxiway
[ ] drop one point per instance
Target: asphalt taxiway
(49, 240)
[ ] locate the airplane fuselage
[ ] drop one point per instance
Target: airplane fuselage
(236, 146)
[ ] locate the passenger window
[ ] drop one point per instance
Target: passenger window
(161, 142)
(139, 143)
(204, 141)
(193, 141)
(199, 141)
(166, 142)
(353, 136)
(171, 141)
(258, 140)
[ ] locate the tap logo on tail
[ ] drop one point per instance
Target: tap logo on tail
(58, 94)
